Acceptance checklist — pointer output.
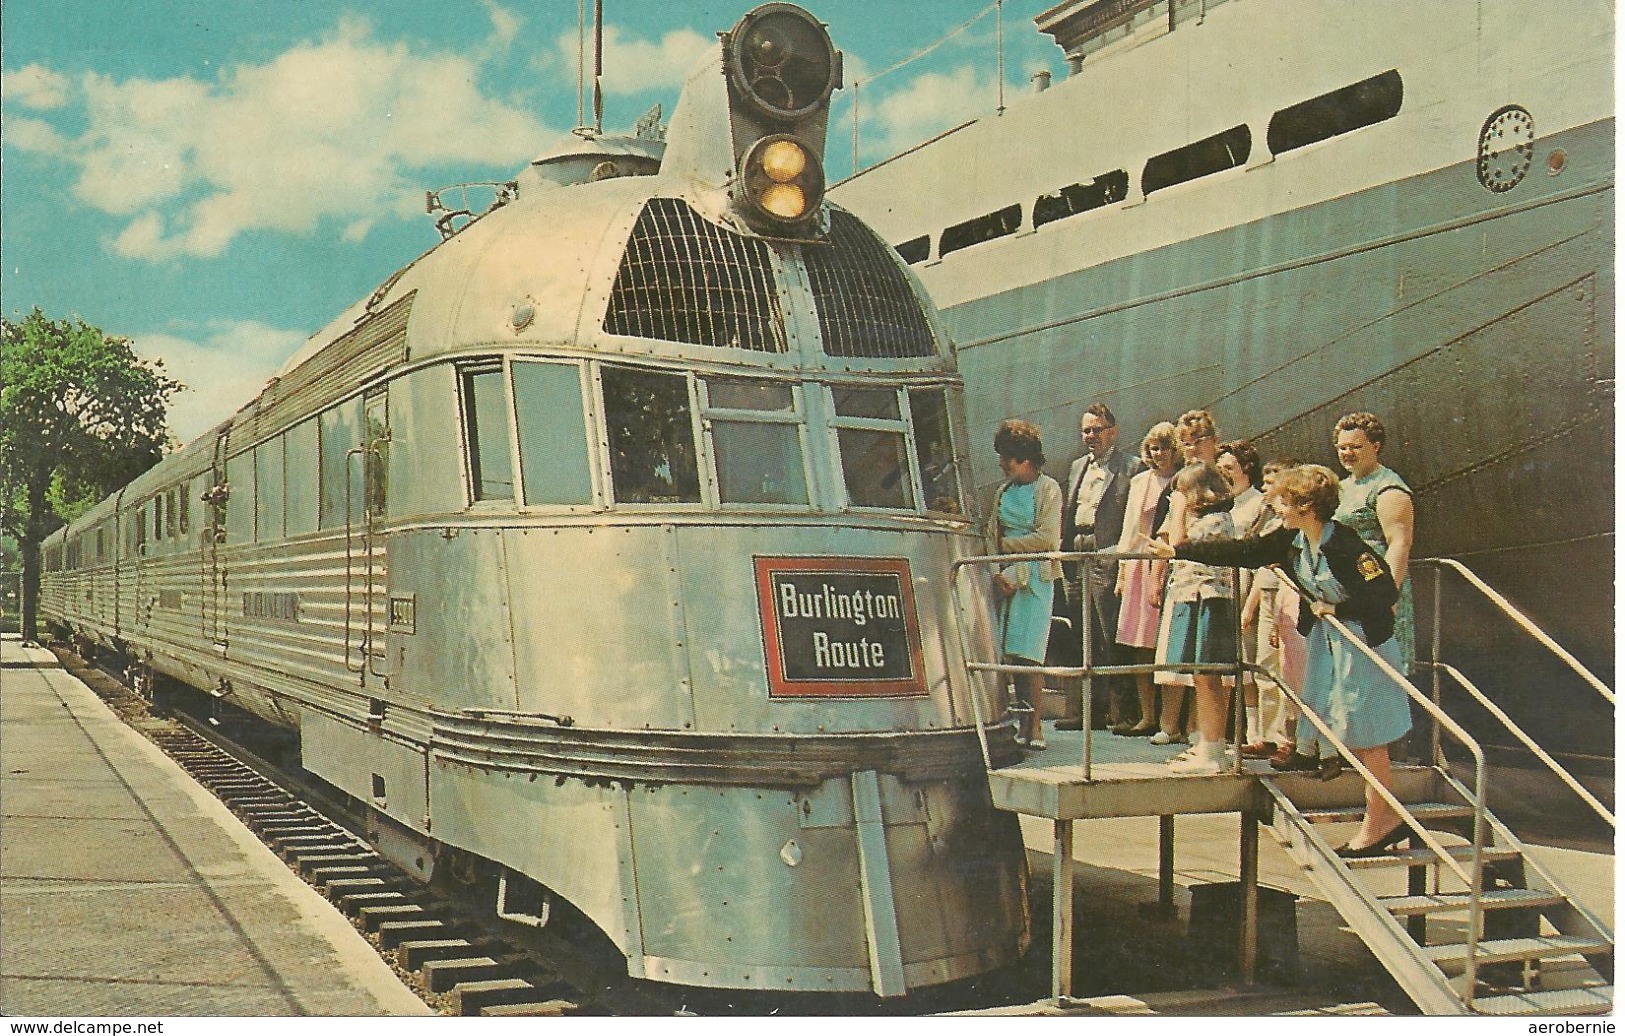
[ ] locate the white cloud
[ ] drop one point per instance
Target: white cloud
(633, 65)
(505, 26)
(222, 370)
(926, 105)
(35, 86)
(331, 129)
(34, 135)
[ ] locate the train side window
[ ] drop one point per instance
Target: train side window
(934, 449)
(652, 458)
(240, 505)
(1361, 104)
(1203, 158)
(376, 412)
(268, 482)
(871, 437)
(158, 518)
(341, 487)
(553, 459)
(485, 415)
(138, 522)
(755, 442)
(183, 508)
(301, 496)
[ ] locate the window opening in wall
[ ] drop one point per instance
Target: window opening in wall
(553, 458)
(485, 413)
(915, 250)
(1205, 157)
(158, 518)
(934, 449)
(755, 441)
(340, 430)
(871, 437)
(1361, 104)
(1001, 223)
(375, 459)
(1081, 197)
(269, 467)
(651, 437)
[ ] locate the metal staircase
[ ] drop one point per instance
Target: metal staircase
(1522, 945)
(1463, 917)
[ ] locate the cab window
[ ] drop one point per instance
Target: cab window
(756, 441)
(651, 437)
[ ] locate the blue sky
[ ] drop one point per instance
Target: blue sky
(218, 180)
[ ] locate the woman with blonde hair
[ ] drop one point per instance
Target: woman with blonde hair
(1201, 629)
(1026, 520)
(1139, 616)
(1338, 574)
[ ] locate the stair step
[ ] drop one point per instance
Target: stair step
(1423, 811)
(1426, 856)
(1495, 951)
(1496, 899)
(1585, 1000)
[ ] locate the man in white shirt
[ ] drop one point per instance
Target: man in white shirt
(1092, 519)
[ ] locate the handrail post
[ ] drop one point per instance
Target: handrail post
(1238, 694)
(1438, 648)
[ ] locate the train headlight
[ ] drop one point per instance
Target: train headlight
(782, 62)
(784, 181)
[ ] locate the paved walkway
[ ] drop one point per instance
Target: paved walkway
(126, 889)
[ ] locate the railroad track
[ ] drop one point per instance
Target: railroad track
(444, 939)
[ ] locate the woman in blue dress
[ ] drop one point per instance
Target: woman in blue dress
(1026, 520)
(1337, 573)
(1376, 503)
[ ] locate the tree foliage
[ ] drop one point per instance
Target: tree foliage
(80, 415)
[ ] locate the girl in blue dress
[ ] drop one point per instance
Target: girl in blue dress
(1026, 520)
(1376, 503)
(1337, 573)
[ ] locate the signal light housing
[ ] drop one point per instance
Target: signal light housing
(781, 62)
(783, 182)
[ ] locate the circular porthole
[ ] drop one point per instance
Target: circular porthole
(1506, 147)
(1557, 161)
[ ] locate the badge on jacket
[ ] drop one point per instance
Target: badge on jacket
(1370, 567)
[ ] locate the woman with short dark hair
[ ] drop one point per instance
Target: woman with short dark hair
(1026, 520)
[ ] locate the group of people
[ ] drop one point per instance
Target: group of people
(1308, 545)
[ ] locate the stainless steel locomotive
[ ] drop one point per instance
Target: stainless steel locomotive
(606, 547)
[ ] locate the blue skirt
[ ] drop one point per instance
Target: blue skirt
(1026, 615)
(1202, 631)
(1358, 701)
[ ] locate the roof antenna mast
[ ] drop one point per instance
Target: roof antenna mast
(598, 66)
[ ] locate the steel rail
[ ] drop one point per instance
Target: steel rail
(1529, 742)
(1511, 611)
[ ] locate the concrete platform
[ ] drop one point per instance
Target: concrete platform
(126, 889)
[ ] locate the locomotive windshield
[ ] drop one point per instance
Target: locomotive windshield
(676, 437)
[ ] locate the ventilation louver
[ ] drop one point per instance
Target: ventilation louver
(866, 305)
(684, 279)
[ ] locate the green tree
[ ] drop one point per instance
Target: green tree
(80, 415)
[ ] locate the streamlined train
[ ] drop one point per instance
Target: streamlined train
(605, 549)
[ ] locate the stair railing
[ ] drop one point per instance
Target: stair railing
(1440, 566)
(1473, 876)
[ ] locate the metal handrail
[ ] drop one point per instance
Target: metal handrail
(1512, 612)
(1529, 742)
(1474, 880)
(1087, 669)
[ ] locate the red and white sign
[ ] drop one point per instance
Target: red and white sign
(839, 627)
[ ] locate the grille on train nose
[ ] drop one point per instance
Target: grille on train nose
(865, 304)
(684, 279)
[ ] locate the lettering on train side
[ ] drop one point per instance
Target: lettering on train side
(839, 627)
(278, 607)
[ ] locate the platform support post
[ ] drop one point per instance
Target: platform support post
(1165, 865)
(1249, 898)
(1061, 934)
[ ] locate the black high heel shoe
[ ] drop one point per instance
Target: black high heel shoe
(1381, 847)
(1330, 768)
